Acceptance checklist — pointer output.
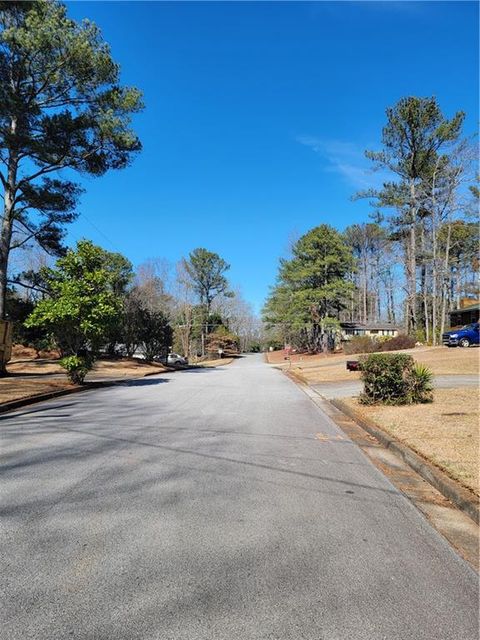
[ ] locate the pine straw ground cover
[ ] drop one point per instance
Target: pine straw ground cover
(29, 376)
(445, 432)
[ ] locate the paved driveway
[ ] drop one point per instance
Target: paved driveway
(213, 504)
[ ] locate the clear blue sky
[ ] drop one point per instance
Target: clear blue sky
(257, 115)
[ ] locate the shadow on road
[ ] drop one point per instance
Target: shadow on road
(112, 439)
(18, 414)
(144, 382)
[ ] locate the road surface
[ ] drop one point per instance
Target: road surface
(215, 504)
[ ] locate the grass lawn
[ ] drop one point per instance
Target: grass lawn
(445, 431)
(332, 368)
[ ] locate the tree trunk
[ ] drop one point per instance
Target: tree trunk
(378, 306)
(444, 286)
(5, 235)
(434, 277)
(412, 264)
(6, 229)
(424, 287)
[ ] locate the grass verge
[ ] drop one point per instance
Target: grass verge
(332, 368)
(444, 432)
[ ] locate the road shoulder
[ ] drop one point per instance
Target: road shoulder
(454, 524)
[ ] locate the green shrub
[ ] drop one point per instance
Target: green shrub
(360, 344)
(77, 367)
(385, 378)
(395, 378)
(420, 382)
(401, 341)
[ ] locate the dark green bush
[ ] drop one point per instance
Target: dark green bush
(401, 341)
(394, 378)
(77, 367)
(361, 344)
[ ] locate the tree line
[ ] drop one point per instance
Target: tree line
(92, 302)
(413, 261)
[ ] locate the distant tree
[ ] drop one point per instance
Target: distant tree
(368, 242)
(155, 334)
(61, 107)
(84, 301)
(238, 315)
(312, 288)
(222, 338)
(141, 328)
(207, 272)
(183, 310)
(151, 285)
(414, 138)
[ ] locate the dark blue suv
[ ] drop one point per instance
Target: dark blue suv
(464, 337)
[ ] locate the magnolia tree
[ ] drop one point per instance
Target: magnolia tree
(85, 301)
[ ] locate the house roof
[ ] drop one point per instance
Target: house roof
(471, 307)
(369, 325)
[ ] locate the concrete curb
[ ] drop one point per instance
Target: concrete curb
(88, 386)
(461, 497)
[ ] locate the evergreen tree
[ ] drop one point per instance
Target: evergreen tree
(312, 288)
(61, 107)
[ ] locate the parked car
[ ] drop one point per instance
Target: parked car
(175, 358)
(464, 337)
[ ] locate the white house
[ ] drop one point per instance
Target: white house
(371, 329)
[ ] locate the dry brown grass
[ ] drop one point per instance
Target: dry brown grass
(336, 373)
(278, 357)
(219, 362)
(444, 360)
(332, 368)
(445, 432)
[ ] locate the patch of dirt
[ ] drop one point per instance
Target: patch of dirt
(448, 438)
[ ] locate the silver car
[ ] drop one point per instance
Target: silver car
(175, 358)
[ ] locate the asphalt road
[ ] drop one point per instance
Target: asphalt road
(212, 504)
